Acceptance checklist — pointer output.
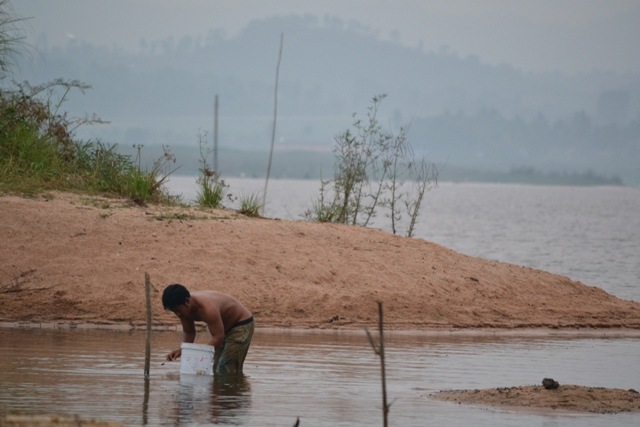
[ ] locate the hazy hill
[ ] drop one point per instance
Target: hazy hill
(461, 112)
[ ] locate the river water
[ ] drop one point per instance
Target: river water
(326, 379)
(333, 378)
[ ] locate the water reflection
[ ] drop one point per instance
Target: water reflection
(145, 402)
(212, 400)
(231, 397)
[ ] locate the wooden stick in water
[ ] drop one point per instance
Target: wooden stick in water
(378, 348)
(147, 350)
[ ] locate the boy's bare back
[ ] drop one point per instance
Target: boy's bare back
(212, 304)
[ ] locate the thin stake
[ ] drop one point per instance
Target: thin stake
(385, 406)
(378, 349)
(273, 131)
(215, 135)
(145, 403)
(147, 349)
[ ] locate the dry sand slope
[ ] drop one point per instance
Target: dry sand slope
(72, 258)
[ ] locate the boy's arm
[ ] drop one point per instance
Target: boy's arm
(188, 335)
(188, 330)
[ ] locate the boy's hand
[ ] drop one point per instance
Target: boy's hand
(174, 355)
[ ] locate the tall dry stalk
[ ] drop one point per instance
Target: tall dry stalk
(273, 129)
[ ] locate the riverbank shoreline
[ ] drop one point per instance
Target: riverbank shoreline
(516, 333)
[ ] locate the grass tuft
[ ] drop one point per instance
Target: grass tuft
(250, 205)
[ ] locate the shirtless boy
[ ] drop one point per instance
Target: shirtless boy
(230, 324)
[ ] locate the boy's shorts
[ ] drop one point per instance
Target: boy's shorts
(229, 357)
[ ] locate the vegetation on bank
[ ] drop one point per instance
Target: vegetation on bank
(38, 150)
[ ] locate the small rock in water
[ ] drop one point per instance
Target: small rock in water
(550, 384)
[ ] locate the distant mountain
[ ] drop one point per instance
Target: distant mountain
(460, 111)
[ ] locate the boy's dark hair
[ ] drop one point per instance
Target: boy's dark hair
(174, 295)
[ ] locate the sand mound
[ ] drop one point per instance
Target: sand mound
(71, 258)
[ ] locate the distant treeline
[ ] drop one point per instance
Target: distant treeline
(319, 165)
(529, 175)
(489, 141)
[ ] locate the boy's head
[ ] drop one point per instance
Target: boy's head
(174, 296)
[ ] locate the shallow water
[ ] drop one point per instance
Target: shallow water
(330, 379)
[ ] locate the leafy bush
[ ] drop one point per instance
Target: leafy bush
(373, 169)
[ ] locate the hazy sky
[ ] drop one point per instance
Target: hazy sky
(536, 35)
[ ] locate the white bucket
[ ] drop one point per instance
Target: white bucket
(196, 359)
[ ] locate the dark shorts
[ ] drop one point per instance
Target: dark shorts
(229, 357)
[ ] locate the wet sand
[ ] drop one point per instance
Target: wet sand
(568, 398)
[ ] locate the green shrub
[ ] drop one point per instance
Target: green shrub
(38, 151)
(211, 187)
(211, 191)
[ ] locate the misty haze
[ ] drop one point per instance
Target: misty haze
(473, 165)
(474, 120)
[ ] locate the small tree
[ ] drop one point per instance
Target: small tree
(373, 169)
(426, 177)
